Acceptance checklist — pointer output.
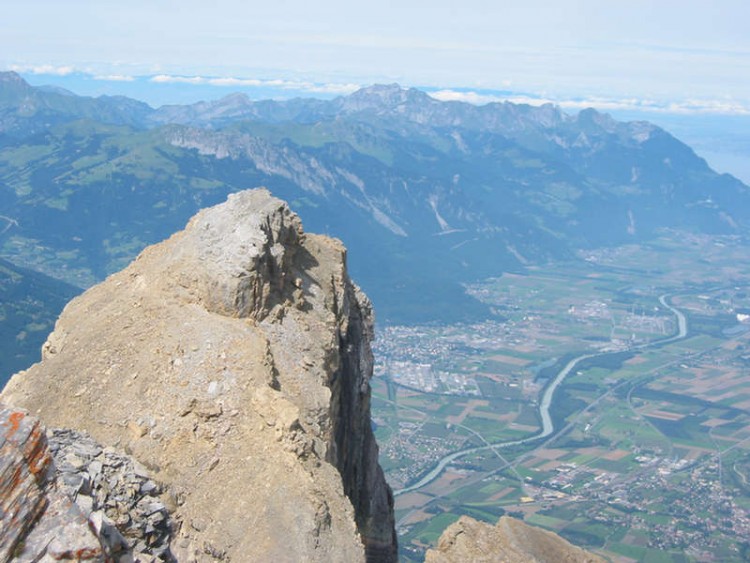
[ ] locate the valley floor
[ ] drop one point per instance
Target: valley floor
(650, 457)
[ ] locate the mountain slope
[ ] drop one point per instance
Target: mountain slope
(29, 305)
(427, 194)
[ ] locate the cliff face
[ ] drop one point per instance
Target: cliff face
(511, 541)
(233, 360)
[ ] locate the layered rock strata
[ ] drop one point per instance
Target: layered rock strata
(64, 497)
(510, 541)
(233, 361)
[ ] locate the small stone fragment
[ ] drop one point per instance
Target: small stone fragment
(197, 524)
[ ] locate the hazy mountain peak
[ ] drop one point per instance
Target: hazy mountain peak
(11, 77)
(12, 86)
(32, 107)
(49, 88)
(235, 98)
(590, 116)
(384, 97)
(392, 87)
(547, 115)
(383, 91)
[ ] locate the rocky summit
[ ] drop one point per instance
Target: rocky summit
(510, 541)
(232, 362)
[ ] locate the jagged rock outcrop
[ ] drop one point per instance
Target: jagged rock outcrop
(64, 497)
(37, 521)
(233, 361)
(510, 541)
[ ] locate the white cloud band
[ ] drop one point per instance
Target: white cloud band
(688, 106)
(53, 70)
(232, 82)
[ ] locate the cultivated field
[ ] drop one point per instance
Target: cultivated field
(650, 458)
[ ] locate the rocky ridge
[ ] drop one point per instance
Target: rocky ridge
(510, 541)
(232, 361)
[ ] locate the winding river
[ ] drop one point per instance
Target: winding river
(548, 427)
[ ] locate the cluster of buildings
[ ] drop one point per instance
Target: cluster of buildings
(413, 452)
(422, 377)
(670, 503)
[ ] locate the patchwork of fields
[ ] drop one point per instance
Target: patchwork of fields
(650, 458)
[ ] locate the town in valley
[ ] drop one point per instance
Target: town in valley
(649, 459)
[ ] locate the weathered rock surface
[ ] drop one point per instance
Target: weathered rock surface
(233, 361)
(30, 503)
(62, 496)
(510, 541)
(116, 495)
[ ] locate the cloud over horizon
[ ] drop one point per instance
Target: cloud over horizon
(113, 77)
(42, 69)
(686, 106)
(666, 50)
(230, 81)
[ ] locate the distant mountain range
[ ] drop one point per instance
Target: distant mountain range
(427, 195)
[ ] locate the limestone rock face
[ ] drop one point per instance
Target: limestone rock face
(233, 361)
(510, 541)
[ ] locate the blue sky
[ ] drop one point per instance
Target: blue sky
(656, 58)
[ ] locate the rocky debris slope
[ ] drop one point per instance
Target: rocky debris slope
(116, 494)
(233, 361)
(510, 541)
(58, 491)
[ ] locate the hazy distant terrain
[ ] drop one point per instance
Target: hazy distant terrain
(29, 305)
(427, 195)
(723, 140)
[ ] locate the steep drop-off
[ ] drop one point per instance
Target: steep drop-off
(233, 360)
